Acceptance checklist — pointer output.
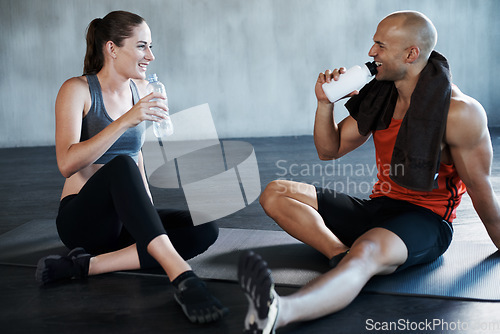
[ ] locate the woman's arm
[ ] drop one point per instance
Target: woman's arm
(73, 99)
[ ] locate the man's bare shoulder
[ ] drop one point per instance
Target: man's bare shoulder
(466, 117)
(464, 108)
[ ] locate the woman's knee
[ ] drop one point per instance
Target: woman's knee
(121, 166)
(123, 171)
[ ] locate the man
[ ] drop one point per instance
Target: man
(407, 220)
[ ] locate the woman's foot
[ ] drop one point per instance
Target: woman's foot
(256, 281)
(53, 268)
(197, 303)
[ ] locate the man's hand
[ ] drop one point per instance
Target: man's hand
(327, 77)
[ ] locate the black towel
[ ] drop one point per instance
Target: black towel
(418, 144)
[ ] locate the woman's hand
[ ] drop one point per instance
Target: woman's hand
(146, 110)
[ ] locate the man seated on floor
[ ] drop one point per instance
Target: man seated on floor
(432, 144)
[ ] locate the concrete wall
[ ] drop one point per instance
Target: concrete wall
(254, 61)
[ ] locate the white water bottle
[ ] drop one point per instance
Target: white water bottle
(164, 127)
(353, 79)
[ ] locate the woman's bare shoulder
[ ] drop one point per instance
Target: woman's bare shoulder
(76, 83)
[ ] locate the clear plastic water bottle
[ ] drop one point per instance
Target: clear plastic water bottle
(164, 127)
(353, 79)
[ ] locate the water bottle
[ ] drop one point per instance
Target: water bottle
(164, 127)
(353, 79)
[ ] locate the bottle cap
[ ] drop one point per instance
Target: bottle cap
(152, 77)
(372, 67)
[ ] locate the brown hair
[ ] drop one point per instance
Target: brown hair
(115, 26)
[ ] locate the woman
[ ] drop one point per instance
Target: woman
(106, 207)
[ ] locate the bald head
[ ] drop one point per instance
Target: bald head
(414, 28)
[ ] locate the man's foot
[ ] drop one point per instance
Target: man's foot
(337, 258)
(256, 281)
(197, 303)
(55, 267)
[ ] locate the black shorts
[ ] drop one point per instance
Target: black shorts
(425, 234)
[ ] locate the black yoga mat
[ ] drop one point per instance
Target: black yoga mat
(26, 244)
(468, 270)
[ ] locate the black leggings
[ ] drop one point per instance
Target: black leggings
(113, 211)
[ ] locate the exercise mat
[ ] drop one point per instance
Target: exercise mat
(468, 270)
(26, 244)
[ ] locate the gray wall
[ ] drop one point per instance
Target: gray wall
(254, 61)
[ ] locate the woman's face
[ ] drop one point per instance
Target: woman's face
(134, 56)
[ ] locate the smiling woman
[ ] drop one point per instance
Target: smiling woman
(131, 53)
(114, 29)
(106, 214)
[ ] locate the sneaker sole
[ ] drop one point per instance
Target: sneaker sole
(255, 279)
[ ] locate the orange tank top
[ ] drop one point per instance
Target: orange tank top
(444, 200)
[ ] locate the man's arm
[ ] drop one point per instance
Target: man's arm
(333, 140)
(470, 145)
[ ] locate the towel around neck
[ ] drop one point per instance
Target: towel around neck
(418, 143)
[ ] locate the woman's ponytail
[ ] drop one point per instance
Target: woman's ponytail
(94, 57)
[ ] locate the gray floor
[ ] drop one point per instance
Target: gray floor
(30, 186)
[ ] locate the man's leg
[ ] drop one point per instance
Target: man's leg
(378, 251)
(294, 207)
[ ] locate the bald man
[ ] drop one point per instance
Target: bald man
(397, 227)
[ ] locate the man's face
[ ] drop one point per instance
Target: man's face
(389, 50)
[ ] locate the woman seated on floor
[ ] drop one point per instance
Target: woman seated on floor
(106, 214)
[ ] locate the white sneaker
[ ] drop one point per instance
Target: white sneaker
(256, 281)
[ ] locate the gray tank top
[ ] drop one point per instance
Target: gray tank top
(97, 119)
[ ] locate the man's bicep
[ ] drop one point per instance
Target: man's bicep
(471, 150)
(473, 161)
(350, 138)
